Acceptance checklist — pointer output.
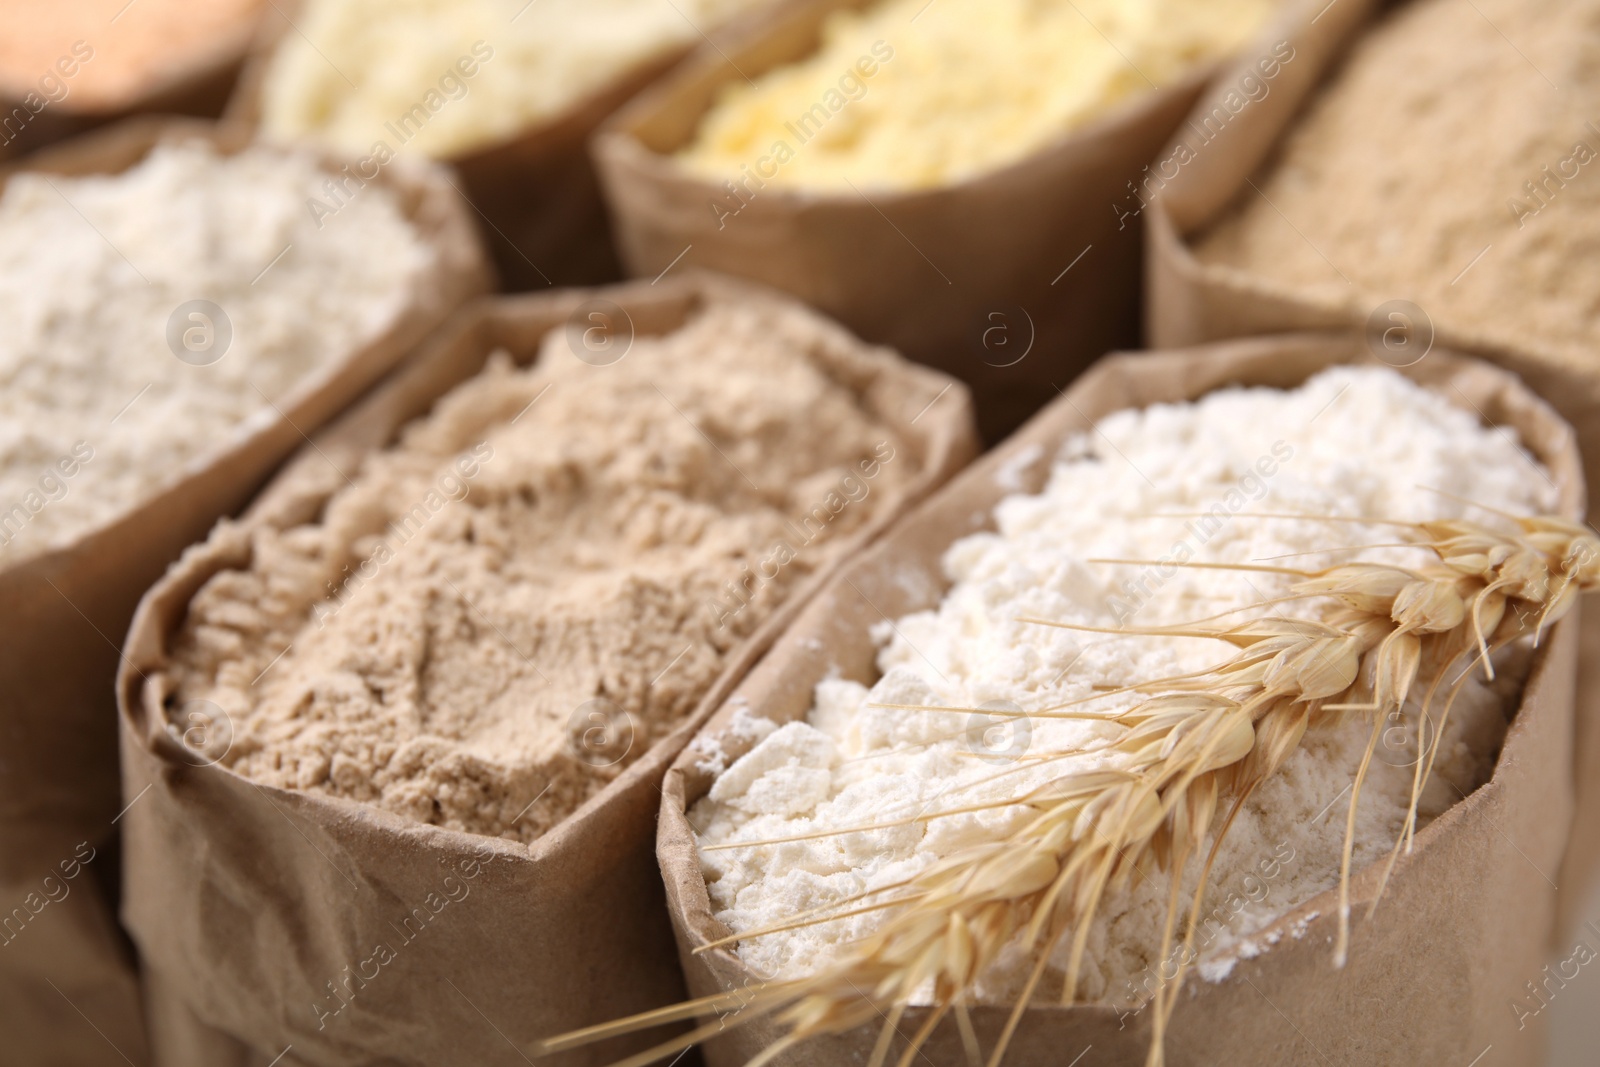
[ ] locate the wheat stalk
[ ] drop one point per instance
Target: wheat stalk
(1190, 743)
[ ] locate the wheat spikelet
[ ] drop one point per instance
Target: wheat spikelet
(1191, 744)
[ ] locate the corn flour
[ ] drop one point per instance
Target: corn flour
(908, 95)
(97, 409)
(546, 573)
(1351, 442)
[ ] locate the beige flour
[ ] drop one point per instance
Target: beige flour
(544, 538)
(1444, 139)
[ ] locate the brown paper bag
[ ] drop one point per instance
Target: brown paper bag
(1465, 918)
(199, 85)
(1190, 302)
(67, 609)
(247, 901)
(981, 279)
(537, 199)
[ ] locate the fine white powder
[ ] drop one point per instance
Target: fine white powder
(1348, 443)
(449, 76)
(97, 412)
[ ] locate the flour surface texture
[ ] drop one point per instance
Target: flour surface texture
(445, 77)
(541, 577)
(97, 409)
(1441, 165)
(1168, 483)
(910, 95)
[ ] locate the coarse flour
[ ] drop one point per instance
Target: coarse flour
(538, 581)
(1441, 165)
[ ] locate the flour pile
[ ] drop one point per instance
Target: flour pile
(450, 76)
(1443, 166)
(1351, 442)
(546, 573)
(912, 95)
(97, 409)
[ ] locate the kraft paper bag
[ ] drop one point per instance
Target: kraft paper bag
(1465, 918)
(1190, 302)
(1011, 281)
(247, 901)
(536, 196)
(67, 609)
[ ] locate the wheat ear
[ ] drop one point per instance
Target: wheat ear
(1188, 742)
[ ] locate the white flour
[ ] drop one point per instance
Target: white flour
(96, 410)
(1350, 442)
(446, 77)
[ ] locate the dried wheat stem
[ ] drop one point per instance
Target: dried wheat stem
(1188, 741)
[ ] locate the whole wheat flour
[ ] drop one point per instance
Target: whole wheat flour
(111, 387)
(1171, 483)
(545, 574)
(1444, 166)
